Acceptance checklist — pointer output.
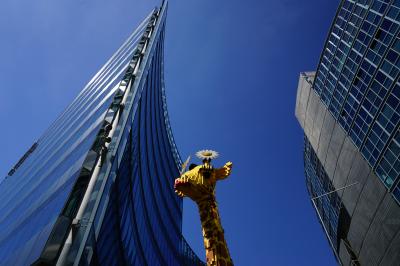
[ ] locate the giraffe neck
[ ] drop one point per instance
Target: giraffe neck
(217, 253)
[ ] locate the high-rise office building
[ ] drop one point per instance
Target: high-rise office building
(350, 112)
(97, 187)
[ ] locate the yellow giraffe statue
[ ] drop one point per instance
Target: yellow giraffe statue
(199, 185)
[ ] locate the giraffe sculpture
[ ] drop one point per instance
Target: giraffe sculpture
(199, 185)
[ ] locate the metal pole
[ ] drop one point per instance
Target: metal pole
(325, 194)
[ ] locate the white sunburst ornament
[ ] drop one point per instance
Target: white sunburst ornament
(207, 154)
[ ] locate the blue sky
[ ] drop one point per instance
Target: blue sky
(232, 69)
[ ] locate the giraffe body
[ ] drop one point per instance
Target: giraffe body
(199, 185)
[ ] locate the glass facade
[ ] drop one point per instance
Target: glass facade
(328, 206)
(97, 187)
(358, 80)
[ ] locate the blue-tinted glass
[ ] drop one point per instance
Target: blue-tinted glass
(356, 79)
(318, 185)
(132, 216)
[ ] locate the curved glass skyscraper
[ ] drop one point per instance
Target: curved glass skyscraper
(350, 112)
(97, 187)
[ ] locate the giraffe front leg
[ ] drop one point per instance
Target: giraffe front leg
(224, 171)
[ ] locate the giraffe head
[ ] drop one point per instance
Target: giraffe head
(199, 183)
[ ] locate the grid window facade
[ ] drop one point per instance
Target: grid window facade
(132, 215)
(318, 184)
(138, 219)
(144, 213)
(34, 195)
(357, 79)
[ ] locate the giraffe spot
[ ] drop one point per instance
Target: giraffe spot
(212, 243)
(203, 216)
(222, 250)
(221, 236)
(208, 224)
(208, 233)
(221, 263)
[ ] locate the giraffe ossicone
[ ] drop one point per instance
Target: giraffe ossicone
(198, 184)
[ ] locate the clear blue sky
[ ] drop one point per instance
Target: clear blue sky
(231, 68)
